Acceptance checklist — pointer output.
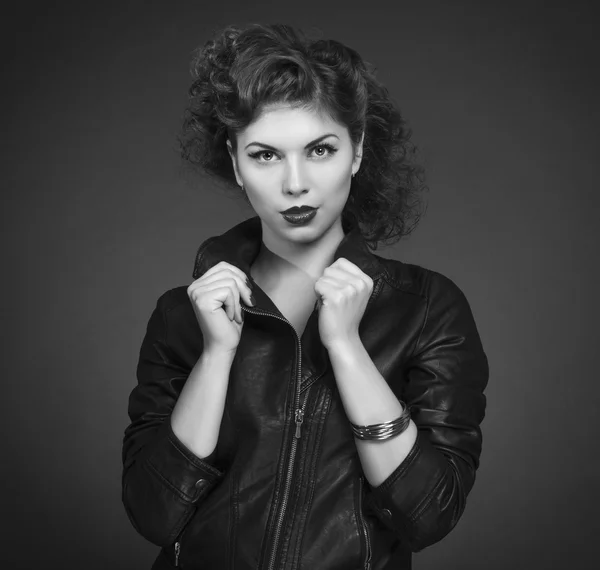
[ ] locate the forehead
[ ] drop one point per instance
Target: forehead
(290, 125)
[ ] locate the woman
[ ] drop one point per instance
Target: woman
(269, 431)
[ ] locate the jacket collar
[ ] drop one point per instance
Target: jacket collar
(240, 246)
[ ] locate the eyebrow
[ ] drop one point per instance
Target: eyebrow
(311, 143)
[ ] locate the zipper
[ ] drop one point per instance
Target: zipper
(363, 524)
(177, 551)
(299, 418)
(180, 532)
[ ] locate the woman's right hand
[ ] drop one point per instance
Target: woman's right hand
(215, 297)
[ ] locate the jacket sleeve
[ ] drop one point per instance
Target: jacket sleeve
(163, 482)
(423, 499)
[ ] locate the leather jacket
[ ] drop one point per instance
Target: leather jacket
(284, 487)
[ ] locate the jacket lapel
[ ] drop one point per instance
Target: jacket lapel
(240, 246)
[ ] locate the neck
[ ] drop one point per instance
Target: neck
(306, 260)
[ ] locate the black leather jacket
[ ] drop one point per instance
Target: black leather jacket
(267, 499)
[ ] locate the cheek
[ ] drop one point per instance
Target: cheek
(334, 176)
(260, 180)
(260, 184)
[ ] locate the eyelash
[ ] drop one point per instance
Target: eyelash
(331, 150)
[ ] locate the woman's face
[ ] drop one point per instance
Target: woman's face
(294, 156)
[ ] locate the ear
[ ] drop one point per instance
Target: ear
(234, 162)
(358, 154)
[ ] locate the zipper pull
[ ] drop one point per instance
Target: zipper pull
(177, 550)
(299, 420)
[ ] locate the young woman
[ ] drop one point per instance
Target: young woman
(303, 403)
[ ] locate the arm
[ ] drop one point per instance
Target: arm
(420, 479)
(164, 479)
(368, 399)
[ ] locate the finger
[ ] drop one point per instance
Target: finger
(229, 277)
(244, 290)
(227, 295)
(344, 264)
(233, 304)
(238, 312)
(330, 282)
(230, 304)
(359, 281)
(233, 283)
(223, 265)
(325, 287)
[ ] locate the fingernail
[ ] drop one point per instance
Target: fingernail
(250, 286)
(252, 300)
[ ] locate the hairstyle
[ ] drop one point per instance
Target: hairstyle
(242, 69)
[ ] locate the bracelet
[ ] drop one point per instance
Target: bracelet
(385, 430)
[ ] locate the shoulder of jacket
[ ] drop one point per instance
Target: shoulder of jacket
(173, 298)
(417, 279)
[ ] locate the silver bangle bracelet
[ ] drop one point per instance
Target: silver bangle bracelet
(384, 430)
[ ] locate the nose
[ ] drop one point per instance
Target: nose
(294, 181)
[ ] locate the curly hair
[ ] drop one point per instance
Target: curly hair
(243, 69)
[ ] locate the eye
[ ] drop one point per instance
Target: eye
(323, 150)
(262, 155)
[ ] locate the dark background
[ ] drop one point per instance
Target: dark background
(99, 220)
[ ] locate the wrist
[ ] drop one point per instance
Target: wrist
(344, 346)
(218, 354)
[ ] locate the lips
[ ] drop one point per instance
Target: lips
(298, 210)
(300, 219)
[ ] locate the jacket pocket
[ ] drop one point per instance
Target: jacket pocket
(363, 526)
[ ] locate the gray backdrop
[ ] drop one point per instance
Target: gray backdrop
(99, 220)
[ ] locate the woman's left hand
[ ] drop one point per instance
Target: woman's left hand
(344, 291)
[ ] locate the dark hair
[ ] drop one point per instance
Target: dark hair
(242, 69)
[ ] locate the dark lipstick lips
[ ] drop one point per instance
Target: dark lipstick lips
(298, 210)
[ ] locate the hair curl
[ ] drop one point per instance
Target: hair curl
(242, 69)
